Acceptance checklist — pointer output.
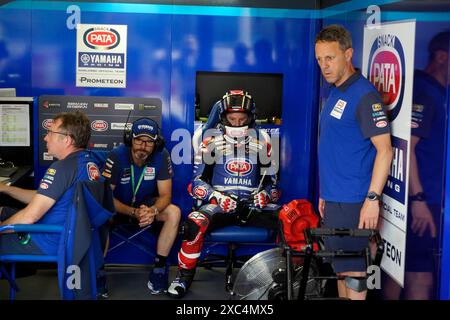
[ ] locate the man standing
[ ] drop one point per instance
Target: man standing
(140, 173)
(66, 140)
(229, 170)
(355, 154)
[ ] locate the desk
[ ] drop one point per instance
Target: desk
(21, 173)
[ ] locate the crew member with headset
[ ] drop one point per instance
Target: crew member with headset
(140, 173)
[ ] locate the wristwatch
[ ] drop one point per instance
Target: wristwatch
(373, 196)
(419, 196)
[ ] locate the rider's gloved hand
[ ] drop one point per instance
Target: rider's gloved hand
(261, 199)
(227, 203)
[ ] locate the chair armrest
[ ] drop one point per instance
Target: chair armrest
(48, 228)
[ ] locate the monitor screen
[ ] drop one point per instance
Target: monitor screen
(7, 92)
(16, 128)
(265, 88)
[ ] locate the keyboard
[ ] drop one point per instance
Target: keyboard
(7, 172)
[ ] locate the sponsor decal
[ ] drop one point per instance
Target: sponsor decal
(381, 124)
(149, 173)
(101, 38)
(98, 145)
(99, 125)
(200, 192)
(338, 109)
(47, 123)
(145, 126)
(51, 171)
(142, 106)
(377, 107)
(106, 174)
(49, 105)
(100, 81)
(47, 157)
(238, 181)
(49, 177)
(101, 105)
(124, 106)
(238, 167)
(386, 71)
(93, 172)
(119, 126)
(77, 105)
(124, 180)
(414, 125)
(101, 60)
(43, 185)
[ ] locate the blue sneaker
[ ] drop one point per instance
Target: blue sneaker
(158, 280)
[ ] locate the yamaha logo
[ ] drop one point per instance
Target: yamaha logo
(238, 167)
(99, 125)
(386, 71)
(47, 123)
(101, 39)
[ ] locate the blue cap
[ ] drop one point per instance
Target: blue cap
(145, 127)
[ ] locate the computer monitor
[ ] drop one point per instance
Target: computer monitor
(7, 92)
(16, 127)
(265, 88)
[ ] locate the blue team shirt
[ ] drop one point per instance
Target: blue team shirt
(59, 183)
(429, 118)
(352, 114)
(118, 171)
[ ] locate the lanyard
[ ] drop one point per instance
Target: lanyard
(135, 190)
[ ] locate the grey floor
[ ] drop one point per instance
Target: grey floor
(124, 282)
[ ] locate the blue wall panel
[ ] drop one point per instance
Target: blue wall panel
(15, 50)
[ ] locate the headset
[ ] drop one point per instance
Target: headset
(128, 134)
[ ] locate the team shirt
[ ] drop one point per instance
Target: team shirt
(59, 184)
(118, 170)
(352, 114)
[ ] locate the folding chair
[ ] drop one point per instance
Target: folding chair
(80, 246)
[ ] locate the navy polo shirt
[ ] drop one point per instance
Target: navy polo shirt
(429, 118)
(58, 184)
(118, 171)
(352, 114)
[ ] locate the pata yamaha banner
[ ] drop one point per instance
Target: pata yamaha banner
(388, 62)
(101, 56)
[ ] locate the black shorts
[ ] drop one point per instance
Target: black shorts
(345, 215)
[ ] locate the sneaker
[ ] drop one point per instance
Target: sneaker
(158, 280)
(179, 287)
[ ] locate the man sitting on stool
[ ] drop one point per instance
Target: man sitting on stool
(140, 173)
